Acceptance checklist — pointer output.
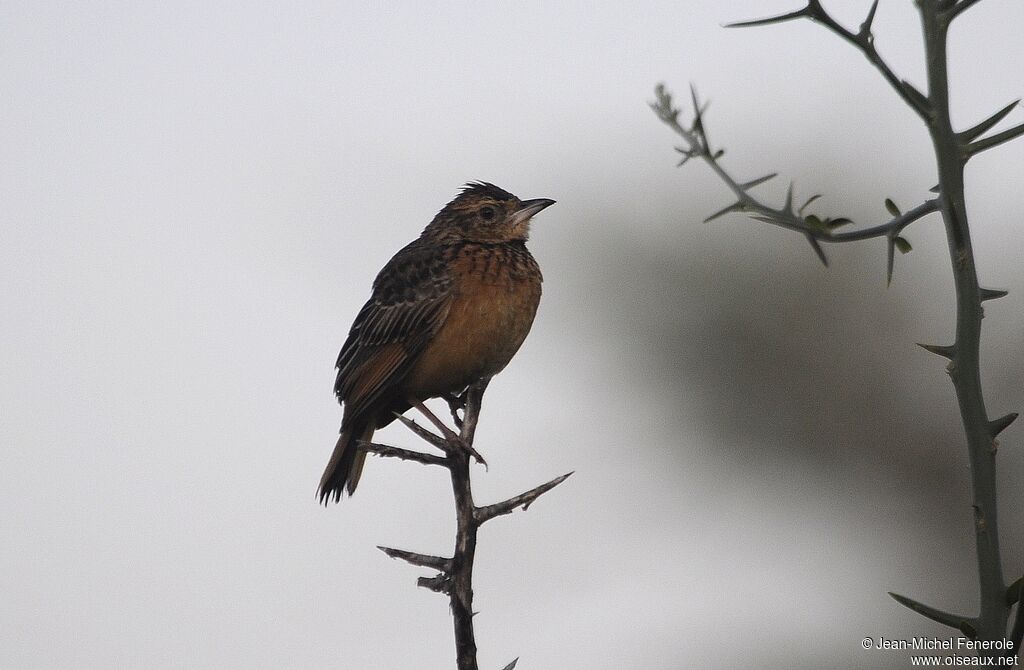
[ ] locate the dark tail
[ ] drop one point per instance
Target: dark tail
(346, 464)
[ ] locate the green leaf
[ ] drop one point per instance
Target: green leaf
(902, 244)
(891, 206)
(836, 223)
(809, 201)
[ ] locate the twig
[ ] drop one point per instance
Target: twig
(816, 229)
(863, 39)
(523, 500)
(398, 452)
(454, 576)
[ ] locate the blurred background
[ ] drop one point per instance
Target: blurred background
(197, 196)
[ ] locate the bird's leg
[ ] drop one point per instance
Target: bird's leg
(456, 403)
(449, 434)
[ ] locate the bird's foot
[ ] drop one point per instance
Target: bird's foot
(450, 435)
(457, 403)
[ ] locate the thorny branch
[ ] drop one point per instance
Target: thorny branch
(952, 152)
(454, 576)
(816, 229)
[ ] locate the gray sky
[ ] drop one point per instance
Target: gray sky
(196, 199)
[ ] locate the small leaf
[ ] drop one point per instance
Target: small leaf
(902, 244)
(891, 206)
(809, 201)
(836, 223)
(814, 221)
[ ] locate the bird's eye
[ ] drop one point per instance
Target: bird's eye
(487, 213)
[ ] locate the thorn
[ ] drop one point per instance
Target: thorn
(865, 28)
(940, 350)
(992, 293)
(995, 140)
(734, 207)
(890, 258)
(757, 182)
(997, 426)
(512, 665)
(979, 129)
(799, 14)
(935, 189)
(788, 207)
(817, 249)
(951, 620)
(698, 122)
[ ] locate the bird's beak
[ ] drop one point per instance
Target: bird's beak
(529, 208)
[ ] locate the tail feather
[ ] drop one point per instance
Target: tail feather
(346, 464)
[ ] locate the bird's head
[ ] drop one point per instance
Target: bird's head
(483, 212)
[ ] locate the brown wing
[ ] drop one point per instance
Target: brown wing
(411, 298)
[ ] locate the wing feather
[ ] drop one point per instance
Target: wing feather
(411, 298)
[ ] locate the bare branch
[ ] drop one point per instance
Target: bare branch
(815, 229)
(864, 40)
(524, 500)
(404, 454)
(423, 560)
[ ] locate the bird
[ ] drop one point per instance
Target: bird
(451, 308)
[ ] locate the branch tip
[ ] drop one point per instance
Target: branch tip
(798, 14)
(945, 618)
(422, 560)
(523, 500)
